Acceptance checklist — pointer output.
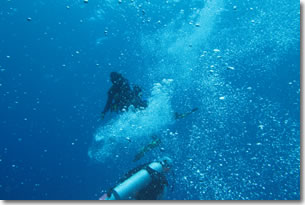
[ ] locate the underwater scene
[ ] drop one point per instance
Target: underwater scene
(149, 100)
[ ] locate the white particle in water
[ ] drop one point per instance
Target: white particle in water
(221, 98)
(216, 50)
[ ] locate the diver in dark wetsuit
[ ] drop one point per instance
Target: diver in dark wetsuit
(119, 95)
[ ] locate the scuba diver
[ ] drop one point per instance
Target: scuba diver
(121, 96)
(145, 182)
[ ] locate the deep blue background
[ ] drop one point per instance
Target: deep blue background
(53, 84)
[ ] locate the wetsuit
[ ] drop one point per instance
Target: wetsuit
(119, 96)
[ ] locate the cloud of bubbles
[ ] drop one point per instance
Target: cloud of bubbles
(118, 135)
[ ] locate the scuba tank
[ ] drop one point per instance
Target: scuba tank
(129, 188)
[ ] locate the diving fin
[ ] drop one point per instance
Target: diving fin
(183, 115)
(153, 144)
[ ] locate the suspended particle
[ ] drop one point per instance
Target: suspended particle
(230, 68)
(29, 19)
(86, 1)
(128, 139)
(234, 7)
(261, 127)
(119, 1)
(197, 25)
(221, 98)
(67, 7)
(216, 50)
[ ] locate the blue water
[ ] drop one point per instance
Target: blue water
(238, 62)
